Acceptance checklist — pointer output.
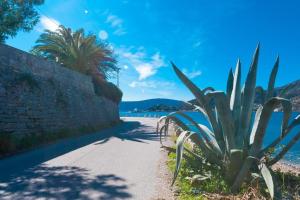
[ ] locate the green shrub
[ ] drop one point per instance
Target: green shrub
(107, 89)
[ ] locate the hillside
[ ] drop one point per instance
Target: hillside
(143, 105)
(290, 91)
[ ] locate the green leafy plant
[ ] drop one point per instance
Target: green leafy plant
(77, 51)
(108, 90)
(17, 15)
(231, 141)
(82, 53)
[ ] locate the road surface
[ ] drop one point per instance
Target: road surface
(117, 163)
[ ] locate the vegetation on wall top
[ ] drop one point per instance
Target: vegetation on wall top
(82, 53)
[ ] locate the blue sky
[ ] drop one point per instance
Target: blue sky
(203, 38)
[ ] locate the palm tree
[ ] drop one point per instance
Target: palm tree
(77, 51)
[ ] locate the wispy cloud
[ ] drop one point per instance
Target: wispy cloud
(144, 64)
(116, 23)
(197, 44)
(154, 88)
(114, 20)
(48, 23)
(152, 84)
(119, 32)
(192, 74)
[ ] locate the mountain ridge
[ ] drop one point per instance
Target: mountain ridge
(290, 91)
(146, 104)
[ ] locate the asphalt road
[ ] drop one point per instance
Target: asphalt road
(117, 163)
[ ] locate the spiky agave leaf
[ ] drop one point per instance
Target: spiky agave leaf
(167, 123)
(204, 132)
(179, 151)
(226, 119)
(285, 149)
(223, 123)
(162, 129)
(235, 100)
(248, 97)
(262, 118)
(266, 174)
(201, 100)
(211, 153)
(255, 124)
(293, 124)
(258, 131)
(270, 91)
(229, 84)
(208, 89)
(194, 123)
(235, 103)
(193, 105)
(158, 123)
(177, 121)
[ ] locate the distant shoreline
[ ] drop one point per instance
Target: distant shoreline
(286, 166)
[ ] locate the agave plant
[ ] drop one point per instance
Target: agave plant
(233, 141)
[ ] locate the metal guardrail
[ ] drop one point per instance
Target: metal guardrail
(146, 115)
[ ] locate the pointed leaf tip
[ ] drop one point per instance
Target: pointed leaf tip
(174, 66)
(271, 84)
(257, 48)
(277, 59)
(255, 59)
(256, 52)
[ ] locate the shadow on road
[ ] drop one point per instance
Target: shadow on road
(132, 131)
(63, 183)
(25, 172)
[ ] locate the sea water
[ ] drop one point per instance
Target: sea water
(273, 130)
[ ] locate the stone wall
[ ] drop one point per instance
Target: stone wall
(38, 96)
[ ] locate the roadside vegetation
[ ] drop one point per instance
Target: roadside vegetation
(232, 146)
(193, 185)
